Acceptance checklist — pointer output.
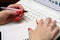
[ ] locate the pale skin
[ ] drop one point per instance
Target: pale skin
(45, 30)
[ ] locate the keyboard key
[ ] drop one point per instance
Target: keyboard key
(56, 2)
(59, 3)
(50, 0)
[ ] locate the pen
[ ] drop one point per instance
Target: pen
(13, 9)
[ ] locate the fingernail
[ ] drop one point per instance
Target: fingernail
(16, 19)
(55, 21)
(28, 28)
(17, 12)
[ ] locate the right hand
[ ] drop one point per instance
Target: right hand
(46, 30)
(7, 16)
(21, 13)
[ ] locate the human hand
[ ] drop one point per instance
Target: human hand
(46, 30)
(7, 16)
(21, 12)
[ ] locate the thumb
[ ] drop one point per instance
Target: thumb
(30, 30)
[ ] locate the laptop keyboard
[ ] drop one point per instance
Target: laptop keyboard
(35, 13)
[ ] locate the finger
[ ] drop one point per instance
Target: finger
(10, 12)
(15, 6)
(47, 21)
(19, 17)
(36, 21)
(12, 6)
(55, 32)
(18, 6)
(52, 24)
(40, 23)
(30, 30)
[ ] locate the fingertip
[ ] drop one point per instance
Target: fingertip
(11, 5)
(48, 19)
(17, 18)
(41, 22)
(56, 30)
(54, 21)
(29, 29)
(59, 28)
(36, 21)
(17, 12)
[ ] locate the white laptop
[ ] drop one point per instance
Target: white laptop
(54, 4)
(40, 9)
(37, 9)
